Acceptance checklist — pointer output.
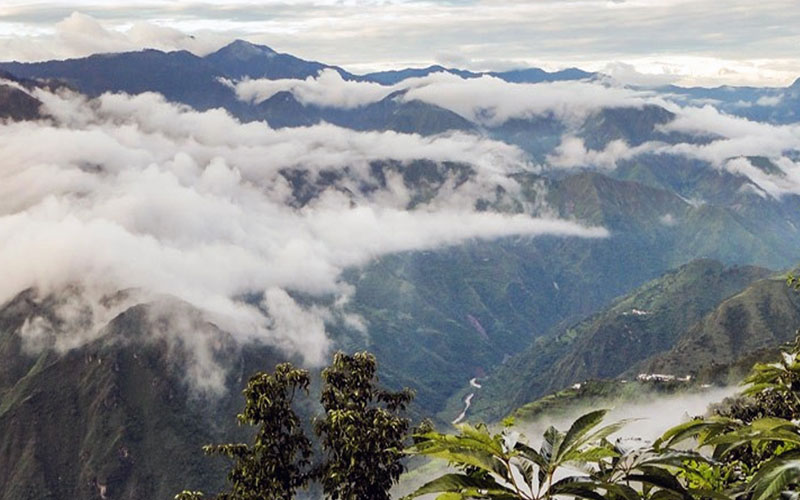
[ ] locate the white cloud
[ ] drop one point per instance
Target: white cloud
(328, 89)
(769, 100)
(572, 153)
(79, 35)
(492, 101)
(486, 100)
(735, 136)
(696, 41)
(129, 192)
(668, 220)
(628, 73)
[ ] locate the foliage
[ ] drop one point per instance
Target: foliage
(755, 442)
(749, 450)
(362, 433)
(277, 463)
(503, 466)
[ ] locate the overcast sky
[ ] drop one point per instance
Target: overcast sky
(704, 42)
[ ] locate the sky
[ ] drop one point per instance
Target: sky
(687, 42)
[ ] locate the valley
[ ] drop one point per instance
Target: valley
(521, 242)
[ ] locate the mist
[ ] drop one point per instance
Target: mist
(132, 192)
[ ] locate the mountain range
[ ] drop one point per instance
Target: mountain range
(699, 225)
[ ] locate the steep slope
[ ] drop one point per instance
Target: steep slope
(632, 125)
(645, 322)
(115, 418)
(16, 102)
(649, 320)
(763, 315)
(17, 105)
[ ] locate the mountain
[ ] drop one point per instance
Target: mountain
(241, 59)
(643, 323)
(763, 315)
(17, 105)
(532, 314)
(115, 418)
(458, 313)
(392, 77)
(390, 113)
(537, 75)
(199, 82)
(185, 78)
(179, 76)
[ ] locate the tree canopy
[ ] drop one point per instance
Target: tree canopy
(362, 435)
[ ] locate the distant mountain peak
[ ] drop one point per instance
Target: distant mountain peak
(796, 84)
(242, 49)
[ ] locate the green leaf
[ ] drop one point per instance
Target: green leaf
(694, 428)
(463, 484)
(776, 475)
(579, 429)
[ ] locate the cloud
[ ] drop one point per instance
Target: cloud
(651, 414)
(668, 220)
(696, 40)
(572, 153)
(769, 100)
(79, 35)
(489, 101)
(734, 136)
(328, 89)
(492, 101)
(131, 192)
(628, 74)
(486, 100)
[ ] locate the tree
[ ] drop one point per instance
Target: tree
(362, 433)
(278, 461)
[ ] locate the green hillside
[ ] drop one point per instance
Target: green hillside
(113, 419)
(763, 315)
(637, 326)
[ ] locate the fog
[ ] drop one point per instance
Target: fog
(132, 192)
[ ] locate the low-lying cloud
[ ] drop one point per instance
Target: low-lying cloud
(327, 90)
(486, 100)
(132, 192)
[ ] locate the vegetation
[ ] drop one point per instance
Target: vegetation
(362, 435)
(687, 322)
(275, 466)
(749, 449)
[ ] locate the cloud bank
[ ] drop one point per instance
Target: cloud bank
(486, 100)
(132, 192)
